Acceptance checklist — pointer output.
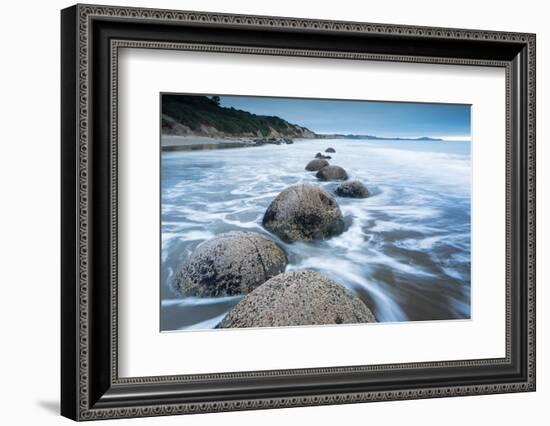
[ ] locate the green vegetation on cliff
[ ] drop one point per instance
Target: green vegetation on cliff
(204, 116)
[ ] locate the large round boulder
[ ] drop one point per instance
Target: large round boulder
(315, 165)
(298, 298)
(330, 150)
(352, 189)
(332, 173)
(229, 264)
(304, 212)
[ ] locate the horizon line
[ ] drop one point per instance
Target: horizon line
(444, 137)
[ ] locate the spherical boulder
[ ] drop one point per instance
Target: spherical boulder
(330, 150)
(324, 157)
(315, 165)
(352, 189)
(229, 264)
(332, 173)
(304, 212)
(298, 298)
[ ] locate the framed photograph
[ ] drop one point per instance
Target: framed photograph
(263, 212)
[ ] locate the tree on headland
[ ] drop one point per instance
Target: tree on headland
(216, 100)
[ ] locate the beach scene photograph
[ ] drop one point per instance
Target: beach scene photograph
(287, 212)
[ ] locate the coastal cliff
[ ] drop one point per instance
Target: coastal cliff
(204, 116)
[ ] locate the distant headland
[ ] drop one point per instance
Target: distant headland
(372, 137)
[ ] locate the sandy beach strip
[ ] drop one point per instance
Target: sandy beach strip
(191, 143)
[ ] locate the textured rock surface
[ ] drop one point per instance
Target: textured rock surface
(352, 189)
(302, 213)
(298, 298)
(325, 157)
(332, 173)
(330, 150)
(229, 264)
(315, 165)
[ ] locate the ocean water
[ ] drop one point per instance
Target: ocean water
(406, 249)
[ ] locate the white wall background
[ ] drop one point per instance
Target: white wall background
(29, 212)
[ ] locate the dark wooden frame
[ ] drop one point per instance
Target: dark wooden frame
(91, 37)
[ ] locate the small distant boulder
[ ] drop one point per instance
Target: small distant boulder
(229, 264)
(315, 165)
(324, 157)
(332, 173)
(298, 298)
(352, 189)
(303, 213)
(330, 150)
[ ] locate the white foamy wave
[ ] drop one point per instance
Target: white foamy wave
(197, 301)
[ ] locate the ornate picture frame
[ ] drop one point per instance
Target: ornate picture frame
(91, 38)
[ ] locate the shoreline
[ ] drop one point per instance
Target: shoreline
(171, 143)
